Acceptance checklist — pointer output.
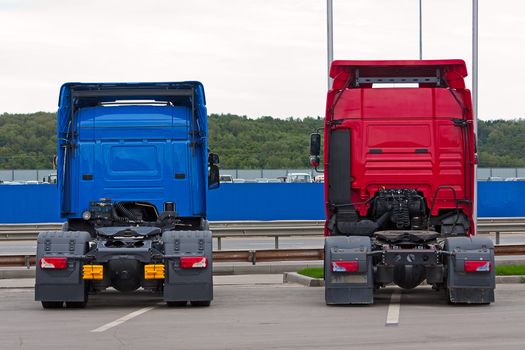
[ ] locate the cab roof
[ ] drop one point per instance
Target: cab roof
(94, 93)
(452, 71)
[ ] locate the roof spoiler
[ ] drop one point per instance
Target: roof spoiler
(426, 73)
(109, 92)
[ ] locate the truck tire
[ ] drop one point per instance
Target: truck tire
(200, 303)
(176, 303)
(77, 304)
(52, 304)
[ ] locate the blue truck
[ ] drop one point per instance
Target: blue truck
(133, 174)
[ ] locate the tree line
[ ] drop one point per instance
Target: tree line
(28, 141)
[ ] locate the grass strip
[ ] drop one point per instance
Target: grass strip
(313, 272)
(510, 270)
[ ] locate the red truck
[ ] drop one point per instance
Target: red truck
(399, 182)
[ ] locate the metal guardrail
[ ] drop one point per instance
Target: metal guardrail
(220, 229)
(501, 225)
(252, 256)
(25, 231)
(255, 256)
(276, 229)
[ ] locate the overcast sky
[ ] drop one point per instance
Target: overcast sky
(255, 57)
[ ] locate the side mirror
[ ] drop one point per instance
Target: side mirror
(315, 144)
(315, 149)
(213, 159)
(213, 171)
(213, 177)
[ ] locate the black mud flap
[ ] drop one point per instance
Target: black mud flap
(188, 276)
(65, 283)
(471, 277)
(348, 270)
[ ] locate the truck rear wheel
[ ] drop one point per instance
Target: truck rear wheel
(76, 304)
(176, 303)
(200, 303)
(52, 304)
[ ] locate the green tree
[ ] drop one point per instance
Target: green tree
(28, 141)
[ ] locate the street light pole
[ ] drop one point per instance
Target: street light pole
(420, 30)
(475, 63)
(475, 100)
(330, 38)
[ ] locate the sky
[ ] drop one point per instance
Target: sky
(254, 57)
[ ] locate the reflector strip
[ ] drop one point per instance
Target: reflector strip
(53, 263)
(193, 262)
(93, 272)
(477, 266)
(345, 266)
(154, 272)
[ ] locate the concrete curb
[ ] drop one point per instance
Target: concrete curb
(504, 261)
(294, 277)
(510, 279)
(265, 268)
(17, 272)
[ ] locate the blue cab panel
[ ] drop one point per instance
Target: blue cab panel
(144, 142)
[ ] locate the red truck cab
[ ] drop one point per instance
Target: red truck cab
(399, 158)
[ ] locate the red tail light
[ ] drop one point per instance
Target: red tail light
(53, 263)
(193, 262)
(477, 266)
(345, 266)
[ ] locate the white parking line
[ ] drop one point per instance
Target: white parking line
(122, 319)
(392, 316)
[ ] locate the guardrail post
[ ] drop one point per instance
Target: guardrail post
(497, 237)
(276, 242)
(219, 245)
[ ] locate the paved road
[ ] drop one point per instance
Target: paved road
(29, 247)
(257, 312)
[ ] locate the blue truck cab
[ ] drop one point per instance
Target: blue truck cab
(133, 173)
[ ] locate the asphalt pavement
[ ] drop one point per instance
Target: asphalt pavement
(259, 312)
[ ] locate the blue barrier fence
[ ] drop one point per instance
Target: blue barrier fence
(39, 203)
(272, 201)
(501, 199)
